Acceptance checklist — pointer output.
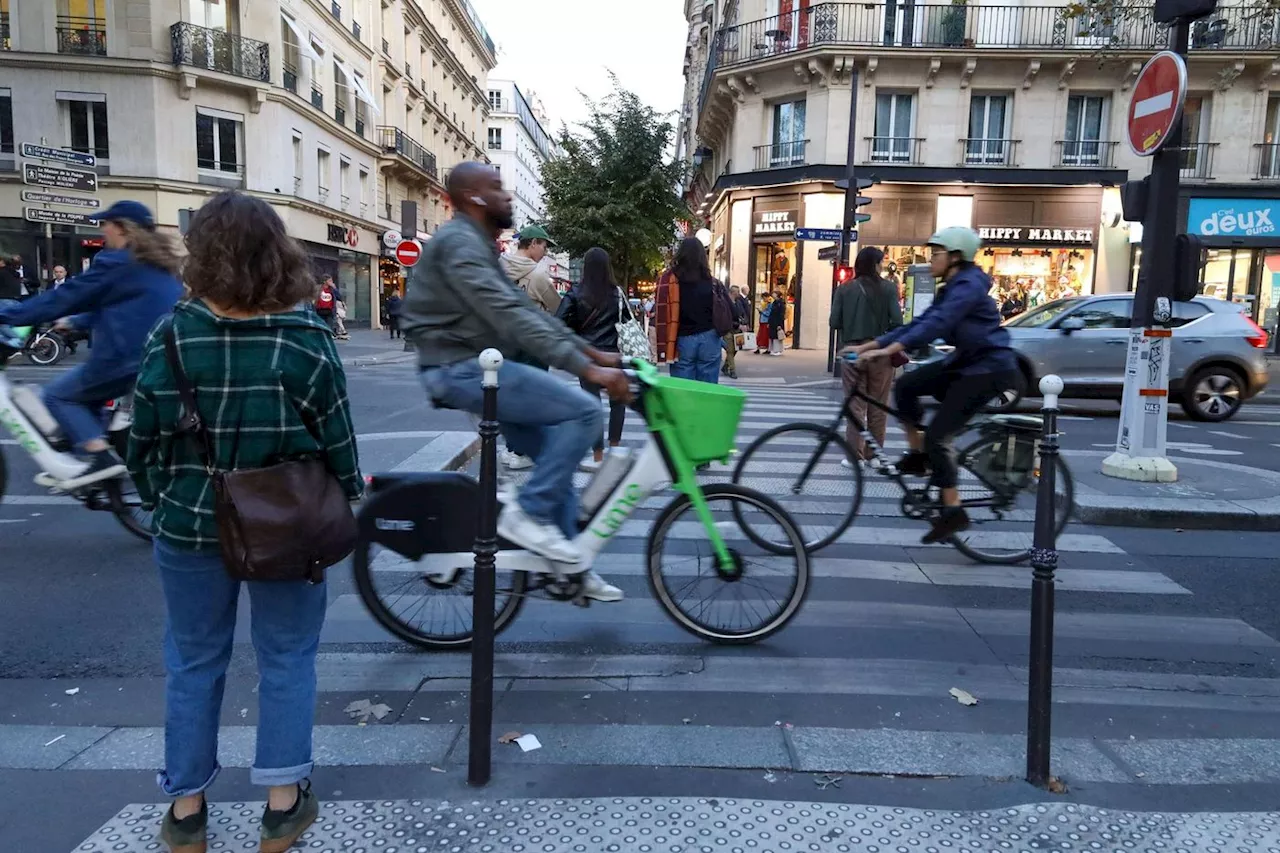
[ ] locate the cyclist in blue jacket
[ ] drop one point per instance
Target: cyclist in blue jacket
(981, 367)
(131, 284)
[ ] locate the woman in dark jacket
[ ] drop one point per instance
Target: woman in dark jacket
(591, 310)
(777, 325)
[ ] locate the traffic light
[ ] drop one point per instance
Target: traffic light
(1133, 199)
(859, 200)
(1187, 252)
(844, 274)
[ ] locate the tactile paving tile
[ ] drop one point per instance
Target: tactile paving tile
(705, 825)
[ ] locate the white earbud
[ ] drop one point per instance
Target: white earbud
(475, 199)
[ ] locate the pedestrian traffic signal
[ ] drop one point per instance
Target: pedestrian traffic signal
(844, 274)
(1188, 250)
(858, 200)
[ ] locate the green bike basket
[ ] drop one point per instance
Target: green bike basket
(703, 416)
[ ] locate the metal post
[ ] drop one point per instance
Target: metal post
(480, 749)
(850, 204)
(1044, 560)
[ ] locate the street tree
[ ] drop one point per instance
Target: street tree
(616, 185)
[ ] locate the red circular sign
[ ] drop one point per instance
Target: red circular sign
(408, 252)
(1158, 96)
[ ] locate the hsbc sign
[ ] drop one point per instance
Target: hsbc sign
(343, 234)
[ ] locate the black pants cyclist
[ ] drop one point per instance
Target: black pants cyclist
(960, 397)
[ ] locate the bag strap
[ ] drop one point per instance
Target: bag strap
(624, 306)
(190, 422)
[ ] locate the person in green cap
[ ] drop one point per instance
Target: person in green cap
(526, 268)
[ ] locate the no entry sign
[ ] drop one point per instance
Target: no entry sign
(408, 252)
(1158, 96)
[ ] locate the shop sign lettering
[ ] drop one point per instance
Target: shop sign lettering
(343, 234)
(775, 222)
(1214, 217)
(1038, 235)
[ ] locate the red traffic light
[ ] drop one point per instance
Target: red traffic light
(844, 274)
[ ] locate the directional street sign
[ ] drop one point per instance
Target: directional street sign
(1158, 96)
(59, 178)
(830, 235)
(62, 155)
(38, 197)
(55, 217)
(828, 253)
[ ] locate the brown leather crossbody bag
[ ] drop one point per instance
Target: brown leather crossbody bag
(285, 522)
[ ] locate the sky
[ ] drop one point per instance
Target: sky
(558, 47)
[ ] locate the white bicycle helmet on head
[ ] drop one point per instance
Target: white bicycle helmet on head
(957, 238)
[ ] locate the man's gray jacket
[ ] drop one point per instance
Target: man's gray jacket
(459, 302)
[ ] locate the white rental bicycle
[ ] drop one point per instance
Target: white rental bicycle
(25, 417)
(413, 559)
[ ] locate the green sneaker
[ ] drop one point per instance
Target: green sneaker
(186, 835)
(281, 829)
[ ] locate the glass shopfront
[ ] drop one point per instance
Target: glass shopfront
(1032, 266)
(776, 261)
(1242, 253)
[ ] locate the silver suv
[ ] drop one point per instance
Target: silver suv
(1218, 358)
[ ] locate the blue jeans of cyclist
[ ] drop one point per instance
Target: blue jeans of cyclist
(541, 417)
(76, 398)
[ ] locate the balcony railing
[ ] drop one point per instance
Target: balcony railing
(346, 202)
(323, 194)
(958, 25)
(386, 47)
(394, 140)
(1084, 154)
(85, 36)
(335, 9)
(359, 126)
(218, 50)
(340, 114)
(291, 78)
(317, 98)
(297, 185)
(899, 150)
(1197, 160)
(989, 152)
(1268, 161)
(408, 69)
(780, 155)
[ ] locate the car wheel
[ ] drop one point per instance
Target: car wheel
(1009, 400)
(1213, 394)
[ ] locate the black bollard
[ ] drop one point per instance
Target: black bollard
(1044, 561)
(480, 748)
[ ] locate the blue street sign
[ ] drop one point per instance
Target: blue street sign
(830, 235)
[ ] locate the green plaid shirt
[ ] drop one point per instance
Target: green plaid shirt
(269, 389)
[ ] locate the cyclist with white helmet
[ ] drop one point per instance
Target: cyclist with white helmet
(981, 366)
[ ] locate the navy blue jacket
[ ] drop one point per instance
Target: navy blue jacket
(124, 299)
(964, 315)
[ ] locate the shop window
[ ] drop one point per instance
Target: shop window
(1036, 276)
(1085, 131)
(6, 121)
(892, 142)
(220, 143)
(85, 118)
(988, 117)
(1226, 275)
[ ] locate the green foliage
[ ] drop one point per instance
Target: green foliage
(616, 187)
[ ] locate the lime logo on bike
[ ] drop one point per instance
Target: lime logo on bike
(19, 432)
(608, 524)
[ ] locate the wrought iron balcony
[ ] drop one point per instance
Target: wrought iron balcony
(408, 69)
(335, 9)
(1268, 161)
(291, 78)
(355, 29)
(898, 150)
(1084, 154)
(317, 98)
(988, 152)
(218, 50)
(396, 141)
(780, 155)
(1197, 160)
(386, 47)
(85, 36)
(359, 126)
(340, 114)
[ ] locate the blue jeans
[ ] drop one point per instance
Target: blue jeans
(76, 402)
(200, 600)
(541, 417)
(698, 357)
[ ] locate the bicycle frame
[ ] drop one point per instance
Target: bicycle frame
(60, 466)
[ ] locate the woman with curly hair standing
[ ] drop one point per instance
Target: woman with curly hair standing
(269, 387)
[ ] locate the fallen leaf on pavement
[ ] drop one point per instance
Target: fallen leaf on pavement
(964, 697)
(363, 709)
(1057, 786)
(769, 777)
(510, 737)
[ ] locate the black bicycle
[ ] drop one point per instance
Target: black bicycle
(999, 474)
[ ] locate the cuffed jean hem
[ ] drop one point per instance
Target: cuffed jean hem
(276, 777)
(162, 779)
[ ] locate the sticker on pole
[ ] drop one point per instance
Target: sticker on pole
(1158, 96)
(408, 252)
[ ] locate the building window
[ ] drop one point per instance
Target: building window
(1086, 129)
(87, 125)
(988, 116)
(788, 134)
(219, 142)
(495, 138)
(1268, 167)
(495, 99)
(297, 164)
(892, 141)
(322, 173)
(364, 191)
(344, 183)
(6, 121)
(1196, 156)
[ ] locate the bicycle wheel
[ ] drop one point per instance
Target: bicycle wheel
(679, 539)
(1007, 547)
(45, 350)
(126, 506)
(801, 464)
(430, 610)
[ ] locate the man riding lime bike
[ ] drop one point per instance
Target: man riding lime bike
(981, 366)
(459, 303)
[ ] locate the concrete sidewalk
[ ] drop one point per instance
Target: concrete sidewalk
(369, 347)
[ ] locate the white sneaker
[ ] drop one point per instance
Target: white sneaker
(589, 464)
(545, 540)
(516, 462)
(596, 587)
(845, 463)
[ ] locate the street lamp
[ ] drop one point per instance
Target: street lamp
(704, 237)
